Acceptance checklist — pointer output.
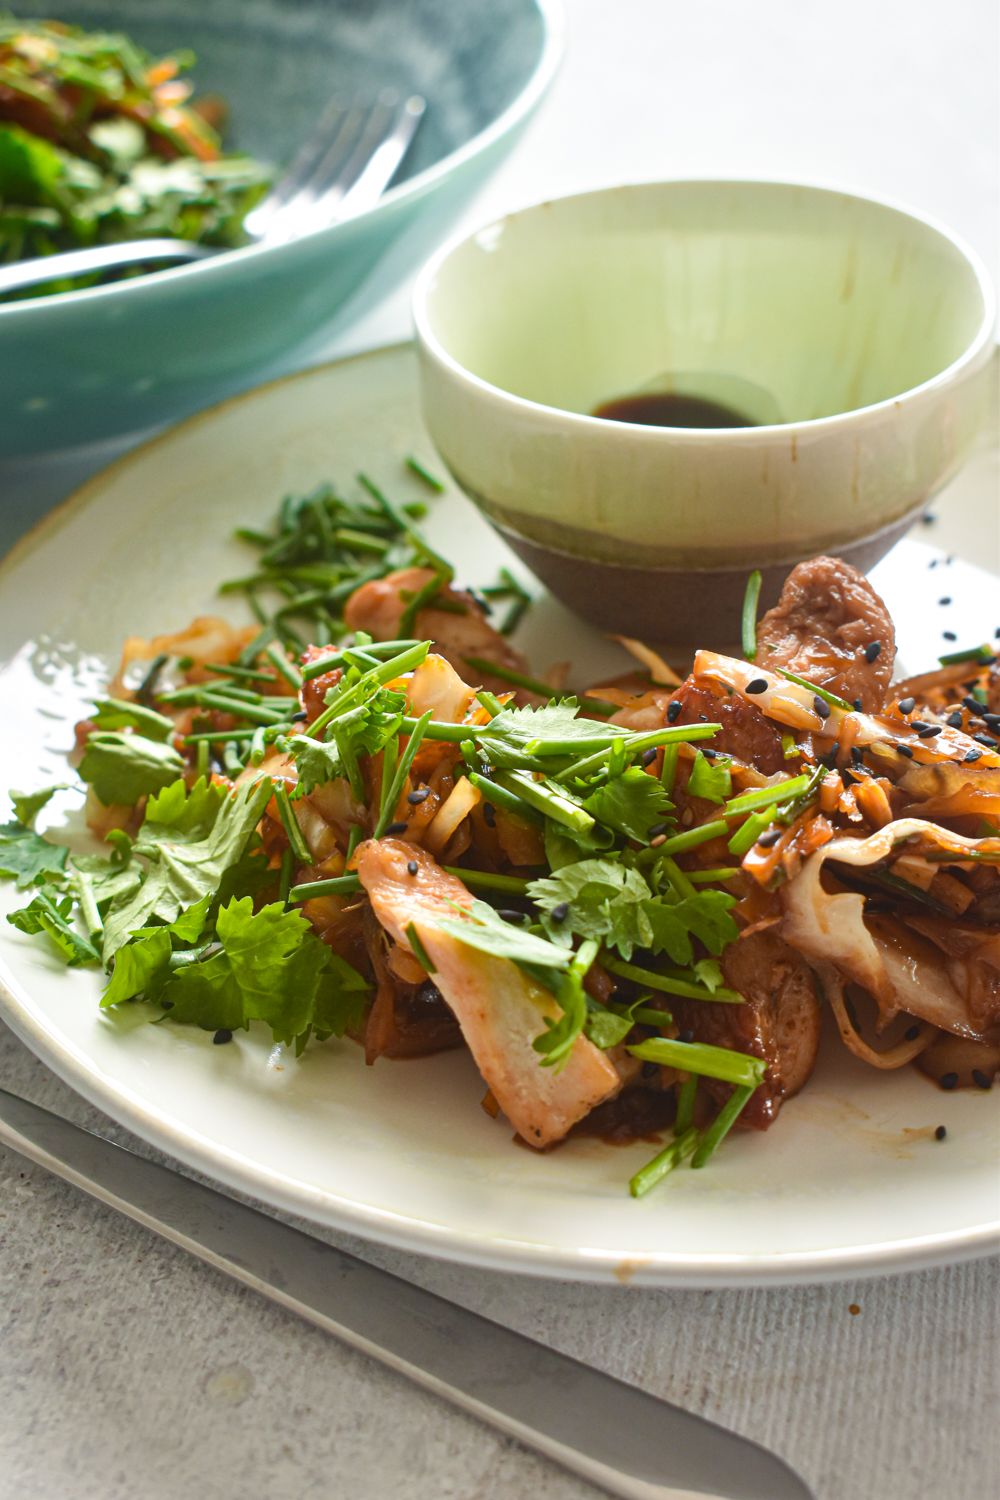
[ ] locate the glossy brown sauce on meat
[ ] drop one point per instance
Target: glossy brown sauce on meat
(669, 409)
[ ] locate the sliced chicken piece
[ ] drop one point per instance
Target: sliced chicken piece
(827, 624)
(378, 608)
(779, 1020)
(500, 1009)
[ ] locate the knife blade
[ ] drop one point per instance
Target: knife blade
(616, 1436)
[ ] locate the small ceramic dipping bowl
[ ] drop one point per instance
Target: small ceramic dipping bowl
(855, 339)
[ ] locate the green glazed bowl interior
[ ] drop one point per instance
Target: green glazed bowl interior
(105, 362)
(789, 304)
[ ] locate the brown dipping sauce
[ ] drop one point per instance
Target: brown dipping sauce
(668, 409)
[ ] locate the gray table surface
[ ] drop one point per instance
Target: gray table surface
(129, 1370)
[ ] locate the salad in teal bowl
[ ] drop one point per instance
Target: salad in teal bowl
(125, 121)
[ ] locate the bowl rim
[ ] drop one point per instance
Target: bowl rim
(552, 14)
(976, 352)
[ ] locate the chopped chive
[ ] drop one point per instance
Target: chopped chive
(670, 983)
(679, 879)
(749, 832)
(709, 877)
(258, 746)
(218, 736)
(203, 757)
(250, 674)
(684, 1118)
(506, 674)
(499, 796)
(231, 761)
(401, 773)
(288, 670)
(700, 1057)
(360, 541)
(749, 619)
(982, 655)
(425, 595)
(416, 467)
(490, 702)
(631, 744)
(145, 689)
(723, 1123)
(383, 503)
(354, 839)
(818, 692)
(331, 659)
(486, 880)
(543, 796)
(692, 837)
(764, 796)
(514, 615)
(419, 951)
(337, 885)
(390, 756)
(663, 1163)
(290, 824)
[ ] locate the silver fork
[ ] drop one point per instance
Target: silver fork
(341, 169)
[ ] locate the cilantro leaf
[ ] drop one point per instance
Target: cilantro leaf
(709, 779)
(191, 839)
(364, 729)
(27, 805)
(25, 856)
(116, 713)
(480, 927)
(505, 738)
(606, 1028)
(272, 968)
(632, 804)
(141, 967)
(52, 915)
(123, 766)
(605, 900)
(705, 915)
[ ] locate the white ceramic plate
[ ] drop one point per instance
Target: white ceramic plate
(850, 1180)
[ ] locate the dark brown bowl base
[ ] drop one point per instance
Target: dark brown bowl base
(675, 607)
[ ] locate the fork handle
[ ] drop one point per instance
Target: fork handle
(69, 263)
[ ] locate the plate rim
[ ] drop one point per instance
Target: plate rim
(640, 1267)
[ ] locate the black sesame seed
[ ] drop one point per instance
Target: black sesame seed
(657, 829)
(949, 635)
(821, 707)
(490, 814)
(509, 915)
(848, 779)
(940, 1133)
(830, 758)
(858, 705)
(420, 795)
(981, 1080)
(857, 756)
(708, 752)
(167, 1004)
(993, 720)
(911, 1033)
(948, 1080)
(758, 685)
(222, 1035)
(687, 1035)
(934, 561)
(972, 755)
(412, 867)
(955, 720)
(561, 912)
(768, 839)
(907, 705)
(905, 750)
(945, 600)
(395, 828)
(984, 739)
(929, 732)
(928, 519)
(973, 705)
(673, 712)
(872, 651)
(648, 756)
(298, 718)
(949, 559)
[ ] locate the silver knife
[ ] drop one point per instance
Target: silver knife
(614, 1435)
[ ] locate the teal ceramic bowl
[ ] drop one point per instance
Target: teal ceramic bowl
(87, 366)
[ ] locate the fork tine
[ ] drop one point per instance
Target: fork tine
(302, 166)
(388, 130)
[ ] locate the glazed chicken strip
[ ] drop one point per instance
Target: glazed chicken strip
(831, 627)
(500, 1009)
(378, 608)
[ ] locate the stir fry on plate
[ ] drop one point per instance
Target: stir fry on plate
(362, 816)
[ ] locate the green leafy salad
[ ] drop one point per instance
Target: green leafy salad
(402, 836)
(100, 142)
